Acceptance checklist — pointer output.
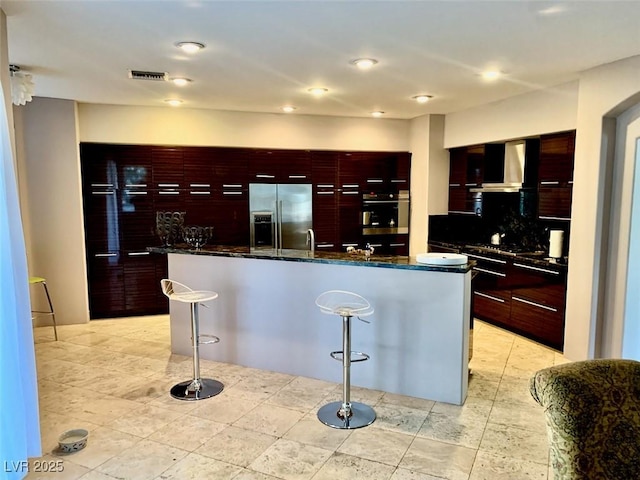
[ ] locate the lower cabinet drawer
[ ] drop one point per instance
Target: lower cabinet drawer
(491, 306)
(542, 322)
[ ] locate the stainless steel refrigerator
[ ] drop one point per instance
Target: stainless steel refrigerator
(280, 215)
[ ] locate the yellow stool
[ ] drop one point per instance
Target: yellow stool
(43, 282)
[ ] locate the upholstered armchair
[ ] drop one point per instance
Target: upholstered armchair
(592, 411)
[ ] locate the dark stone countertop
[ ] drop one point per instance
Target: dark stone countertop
(335, 258)
(530, 258)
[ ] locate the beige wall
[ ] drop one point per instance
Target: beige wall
(607, 90)
(181, 126)
(50, 182)
(542, 111)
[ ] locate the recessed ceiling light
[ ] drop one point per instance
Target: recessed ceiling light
(174, 102)
(553, 10)
(190, 47)
(180, 81)
(379, 113)
(491, 74)
(318, 91)
(287, 108)
(422, 98)
(364, 63)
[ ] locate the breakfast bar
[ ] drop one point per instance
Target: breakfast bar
(266, 316)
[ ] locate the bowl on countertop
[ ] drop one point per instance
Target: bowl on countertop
(73, 440)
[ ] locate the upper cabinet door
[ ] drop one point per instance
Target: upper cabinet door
(458, 167)
(279, 166)
(556, 158)
(168, 167)
(198, 168)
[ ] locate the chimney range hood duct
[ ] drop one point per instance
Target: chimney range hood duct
(510, 175)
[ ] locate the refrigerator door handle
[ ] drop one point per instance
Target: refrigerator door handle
(280, 225)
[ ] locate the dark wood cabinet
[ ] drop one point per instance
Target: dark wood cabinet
(538, 295)
(349, 200)
(198, 168)
(125, 185)
(279, 166)
(492, 291)
(325, 203)
(555, 176)
(230, 206)
(521, 295)
(465, 171)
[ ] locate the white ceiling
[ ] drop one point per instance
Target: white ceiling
(262, 55)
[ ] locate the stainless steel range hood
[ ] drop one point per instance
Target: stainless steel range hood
(510, 175)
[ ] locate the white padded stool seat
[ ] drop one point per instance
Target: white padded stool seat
(197, 388)
(346, 414)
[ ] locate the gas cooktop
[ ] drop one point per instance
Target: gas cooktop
(506, 249)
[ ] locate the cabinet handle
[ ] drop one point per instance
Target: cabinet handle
(398, 180)
(168, 192)
(200, 185)
(494, 260)
(297, 176)
(375, 245)
(489, 297)
(101, 255)
(350, 185)
(538, 269)
(232, 193)
(324, 193)
(374, 180)
(349, 244)
(353, 192)
(129, 192)
(264, 175)
(135, 185)
(555, 182)
(200, 193)
(570, 182)
(490, 272)
(544, 217)
(102, 185)
(455, 185)
(462, 212)
(137, 254)
(470, 184)
(327, 185)
(324, 245)
(397, 244)
(108, 192)
(522, 300)
(168, 185)
(231, 185)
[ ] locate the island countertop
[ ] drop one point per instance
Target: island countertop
(336, 258)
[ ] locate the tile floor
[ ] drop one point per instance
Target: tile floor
(112, 377)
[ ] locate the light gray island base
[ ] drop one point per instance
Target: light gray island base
(266, 318)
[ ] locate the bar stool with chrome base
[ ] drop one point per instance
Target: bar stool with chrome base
(196, 388)
(43, 282)
(346, 414)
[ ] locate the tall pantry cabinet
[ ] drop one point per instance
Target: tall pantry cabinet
(119, 215)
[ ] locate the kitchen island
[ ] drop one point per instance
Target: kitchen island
(266, 316)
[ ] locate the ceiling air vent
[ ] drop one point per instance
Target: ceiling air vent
(142, 75)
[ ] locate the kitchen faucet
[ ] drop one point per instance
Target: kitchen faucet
(311, 239)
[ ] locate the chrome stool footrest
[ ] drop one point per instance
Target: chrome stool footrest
(359, 356)
(214, 339)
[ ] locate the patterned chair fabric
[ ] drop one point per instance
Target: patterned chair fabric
(592, 411)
